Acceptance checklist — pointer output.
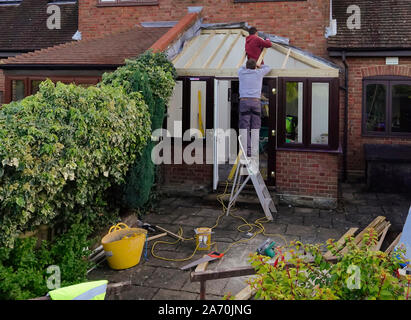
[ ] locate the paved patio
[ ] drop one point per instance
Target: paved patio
(156, 279)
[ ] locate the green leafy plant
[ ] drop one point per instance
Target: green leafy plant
(359, 274)
(62, 149)
(153, 75)
(23, 269)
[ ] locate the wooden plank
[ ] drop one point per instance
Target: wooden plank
(235, 272)
(199, 50)
(274, 73)
(207, 63)
(170, 233)
(377, 246)
(202, 266)
(393, 244)
(229, 50)
(261, 57)
(286, 59)
(186, 46)
(241, 60)
(157, 236)
(341, 241)
(359, 237)
(245, 294)
(302, 58)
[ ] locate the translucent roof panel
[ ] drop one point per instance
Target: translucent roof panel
(220, 52)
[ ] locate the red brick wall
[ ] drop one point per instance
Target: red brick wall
(185, 175)
(358, 69)
(307, 173)
(189, 175)
(303, 22)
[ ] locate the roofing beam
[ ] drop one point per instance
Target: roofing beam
(203, 45)
(286, 59)
(233, 73)
(207, 63)
(229, 50)
(298, 56)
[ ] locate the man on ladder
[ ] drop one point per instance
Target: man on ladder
(251, 79)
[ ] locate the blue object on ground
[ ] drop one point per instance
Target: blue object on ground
(406, 238)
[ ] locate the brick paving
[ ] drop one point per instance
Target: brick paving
(155, 279)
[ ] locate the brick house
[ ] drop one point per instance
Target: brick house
(23, 29)
(376, 59)
(302, 170)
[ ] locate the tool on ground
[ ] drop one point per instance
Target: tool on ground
(141, 224)
(209, 257)
(259, 185)
(266, 248)
(203, 238)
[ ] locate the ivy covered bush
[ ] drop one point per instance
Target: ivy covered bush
(61, 150)
(153, 75)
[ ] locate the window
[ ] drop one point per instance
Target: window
(190, 107)
(19, 87)
(387, 107)
(18, 90)
(127, 2)
(308, 113)
(10, 2)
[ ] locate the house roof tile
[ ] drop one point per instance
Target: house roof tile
(110, 50)
(24, 27)
(385, 24)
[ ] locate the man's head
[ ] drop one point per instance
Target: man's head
(252, 30)
(251, 64)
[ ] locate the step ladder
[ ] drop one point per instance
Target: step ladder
(245, 167)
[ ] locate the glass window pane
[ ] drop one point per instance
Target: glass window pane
(376, 99)
(319, 112)
(294, 112)
(401, 108)
(198, 106)
(175, 112)
(18, 90)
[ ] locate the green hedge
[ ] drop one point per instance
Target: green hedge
(153, 76)
(61, 150)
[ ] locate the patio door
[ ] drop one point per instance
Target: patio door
(222, 125)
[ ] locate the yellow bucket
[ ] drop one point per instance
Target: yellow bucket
(123, 246)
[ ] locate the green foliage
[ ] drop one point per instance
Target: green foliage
(360, 274)
(62, 149)
(23, 269)
(153, 76)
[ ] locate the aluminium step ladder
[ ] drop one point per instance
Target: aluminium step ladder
(245, 165)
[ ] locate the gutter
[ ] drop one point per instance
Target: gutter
(22, 66)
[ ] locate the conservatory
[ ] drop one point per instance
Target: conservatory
(299, 137)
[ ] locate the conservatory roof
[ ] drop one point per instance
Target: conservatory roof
(220, 53)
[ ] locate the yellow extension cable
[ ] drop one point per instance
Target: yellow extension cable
(258, 224)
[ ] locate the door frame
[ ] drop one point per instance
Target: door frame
(272, 139)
